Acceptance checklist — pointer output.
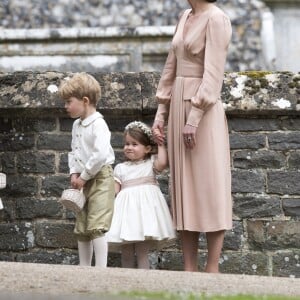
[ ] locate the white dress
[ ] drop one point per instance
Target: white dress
(140, 209)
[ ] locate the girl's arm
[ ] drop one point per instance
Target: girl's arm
(161, 161)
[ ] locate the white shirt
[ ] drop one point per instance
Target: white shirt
(91, 148)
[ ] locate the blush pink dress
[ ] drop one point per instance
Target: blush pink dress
(189, 93)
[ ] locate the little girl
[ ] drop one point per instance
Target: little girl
(141, 216)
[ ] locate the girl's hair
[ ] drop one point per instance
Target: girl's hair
(211, 0)
(142, 133)
(79, 86)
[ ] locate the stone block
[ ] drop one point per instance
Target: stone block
(170, 260)
(54, 185)
(114, 260)
(63, 163)
(251, 263)
(34, 124)
(6, 125)
(233, 238)
(248, 181)
(35, 162)
(117, 140)
(119, 91)
(163, 182)
(258, 159)
(291, 124)
(256, 206)
(117, 121)
(283, 182)
(30, 208)
(247, 141)
(273, 235)
(65, 124)
(7, 214)
(16, 142)
(16, 236)
(284, 140)
(291, 207)
(287, 264)
(294, 160)
(55, 235)
(6, 257)
(7, 162)
(63, 256)
(21, 186)
(119, 157)
(253, 124)
(60, 142)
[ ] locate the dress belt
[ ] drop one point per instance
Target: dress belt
(139, 181)
(189, 76)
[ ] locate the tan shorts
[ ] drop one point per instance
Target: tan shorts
(95, 218)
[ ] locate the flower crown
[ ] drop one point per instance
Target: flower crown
(145, 129)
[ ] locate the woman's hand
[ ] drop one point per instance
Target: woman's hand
(158, 132)
(189, 136)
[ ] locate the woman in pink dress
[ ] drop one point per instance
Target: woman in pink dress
(198, 144)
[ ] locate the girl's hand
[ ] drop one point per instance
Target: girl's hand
(74, 177)
(189, 136)
(158, 137)
(158, 132)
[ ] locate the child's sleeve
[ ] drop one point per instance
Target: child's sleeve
(101, 150)
(73, 165)
(117, 173)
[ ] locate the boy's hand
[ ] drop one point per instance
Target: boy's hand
(80, 183)
(74, 177)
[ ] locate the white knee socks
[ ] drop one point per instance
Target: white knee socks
(100, 249)
(85, 251)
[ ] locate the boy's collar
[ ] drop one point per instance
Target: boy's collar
(90, 119)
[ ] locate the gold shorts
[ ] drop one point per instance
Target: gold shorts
(95, 218)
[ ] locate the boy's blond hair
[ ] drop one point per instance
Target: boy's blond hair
(79, 86)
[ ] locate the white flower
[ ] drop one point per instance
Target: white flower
(137, 124)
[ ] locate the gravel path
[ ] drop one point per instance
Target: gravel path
(60, 280)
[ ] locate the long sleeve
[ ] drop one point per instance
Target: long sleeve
(218, 36)
(100, 150)
(74, 167)
(163, 94)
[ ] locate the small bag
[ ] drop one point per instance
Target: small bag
(73, 199)
(2, 180)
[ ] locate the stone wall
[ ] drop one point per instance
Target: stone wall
(286, 27)
(115, 35)
(263, 115)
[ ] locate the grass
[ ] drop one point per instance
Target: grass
(190, 296)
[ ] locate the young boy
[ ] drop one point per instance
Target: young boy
(90, 166)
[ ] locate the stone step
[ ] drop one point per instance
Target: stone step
(59, 280)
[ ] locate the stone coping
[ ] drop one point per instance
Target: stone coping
(252, 92)
(75, 33)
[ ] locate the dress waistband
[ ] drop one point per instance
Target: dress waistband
(188, 69)
(139, 181)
